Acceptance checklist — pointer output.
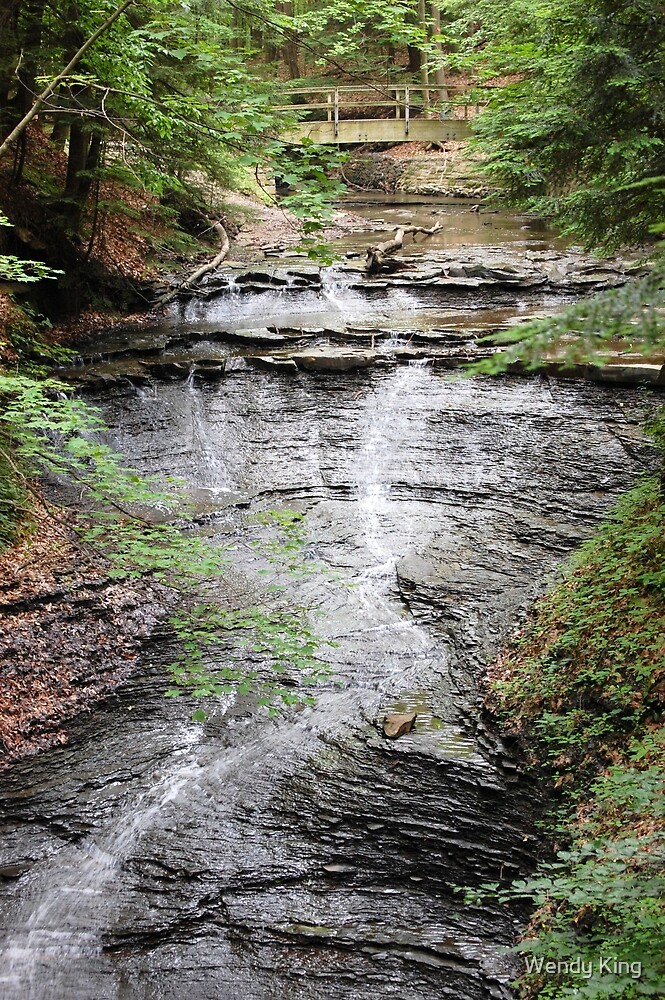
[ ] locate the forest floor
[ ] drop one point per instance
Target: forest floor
(68, 634)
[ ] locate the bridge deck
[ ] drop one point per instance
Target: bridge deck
(436, 114)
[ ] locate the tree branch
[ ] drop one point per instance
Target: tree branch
(200, 271)
(376, 255)
(41, 100)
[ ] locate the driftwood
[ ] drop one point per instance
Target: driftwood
(200, 271)
(376, 255)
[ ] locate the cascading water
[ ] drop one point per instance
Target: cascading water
(211, 467)
(309, 857)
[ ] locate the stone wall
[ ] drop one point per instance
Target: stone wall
(451, 172)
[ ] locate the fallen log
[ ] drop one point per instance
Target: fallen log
(376, 255)
(200, 271)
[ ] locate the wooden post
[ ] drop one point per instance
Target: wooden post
(329, 99)
(397, 109)
(406, 111)
(336, 112)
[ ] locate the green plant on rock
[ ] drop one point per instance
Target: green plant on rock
(217, 643)
(592, 660)
(23, 271)
(584, 684)
(587, 331)
(143, 530)
(599, 926)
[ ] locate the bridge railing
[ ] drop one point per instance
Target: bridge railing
(404, 100)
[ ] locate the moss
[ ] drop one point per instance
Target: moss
(589, 670)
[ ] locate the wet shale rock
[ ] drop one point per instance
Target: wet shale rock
(312, 857)
(473, 284)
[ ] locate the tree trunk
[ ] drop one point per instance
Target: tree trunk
(42, 98)
(376, 255)
(60, 132)
(424, 68)
(439, 72)
(290, 53)
(92, 163)
(79, 144)
(31, 41)
(415, 58)
(224, 246)
(9, 50)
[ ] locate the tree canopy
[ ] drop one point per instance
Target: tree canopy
(577, 131)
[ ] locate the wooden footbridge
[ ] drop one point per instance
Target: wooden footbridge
(346, 116)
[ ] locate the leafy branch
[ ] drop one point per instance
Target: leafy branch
(142, 530)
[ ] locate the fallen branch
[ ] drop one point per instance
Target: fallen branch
(200, 271)
(376, 255)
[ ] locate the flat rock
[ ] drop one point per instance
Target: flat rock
(210, 369)
(234, 365)
(166, 369)
(261, 277)
(334, 359)
(398, 725)
(260, 335)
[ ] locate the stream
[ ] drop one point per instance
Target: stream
(307, 857)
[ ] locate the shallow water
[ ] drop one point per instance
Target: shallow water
(461, 226)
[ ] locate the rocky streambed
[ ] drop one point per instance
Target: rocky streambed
(308, 856)
(435, 309)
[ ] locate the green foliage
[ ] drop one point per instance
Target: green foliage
(144, 530)
(16, 269)
(217, 643)
(601, 900)
(579, 127)
(25, 271)
(13, 503)
(591, 662)
(631, 318)
(584, 684)
(356, 32)
(172, 92)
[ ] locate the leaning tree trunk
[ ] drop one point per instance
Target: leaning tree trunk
(224, 245)
(52, 87)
